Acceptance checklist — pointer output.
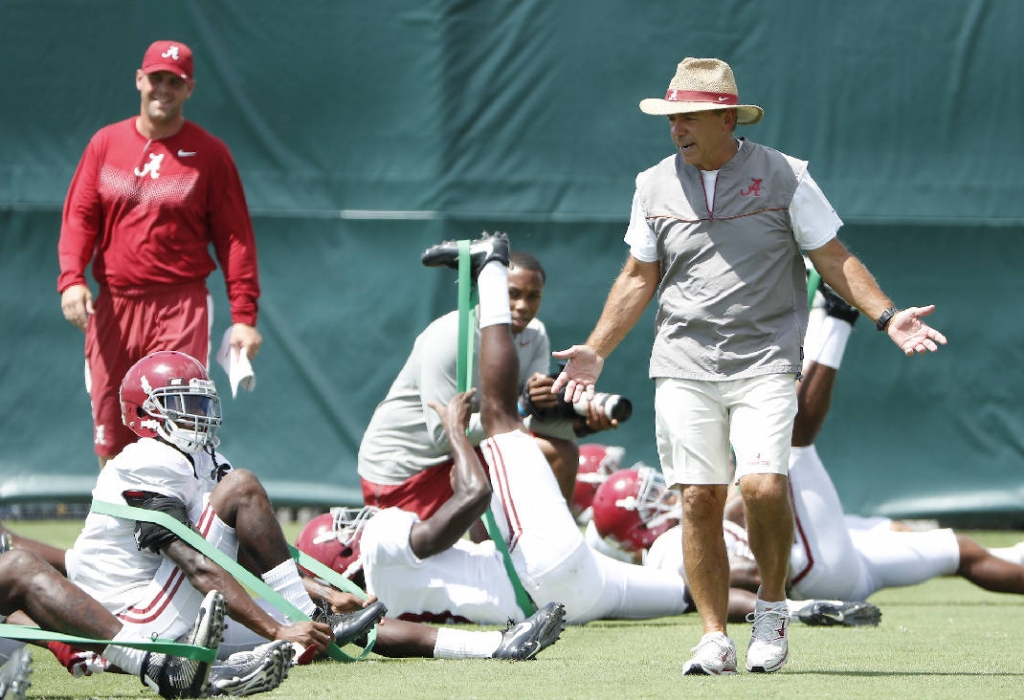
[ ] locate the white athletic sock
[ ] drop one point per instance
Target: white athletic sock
(829, 342)
(492, 286)
(285, 580)
(128, 660)
(463, 644)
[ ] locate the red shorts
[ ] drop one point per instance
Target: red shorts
(422, 493)
(128, 325)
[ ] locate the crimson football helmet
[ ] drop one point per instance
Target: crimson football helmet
(333, 538)
(596, 463)
(170, 394)
(634, 506)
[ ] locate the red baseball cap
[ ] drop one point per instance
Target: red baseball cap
(171, 56)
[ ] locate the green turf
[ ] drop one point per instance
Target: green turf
(942, 639)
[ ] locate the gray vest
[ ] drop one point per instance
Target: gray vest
(732, 302)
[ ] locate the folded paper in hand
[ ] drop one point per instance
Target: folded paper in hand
(236, 364)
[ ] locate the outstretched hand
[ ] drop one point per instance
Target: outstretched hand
(580, 373)
(913, 335)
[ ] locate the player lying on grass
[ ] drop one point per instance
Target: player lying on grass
(634, 511)
(424, 567)
(831, 559)
(31, 587)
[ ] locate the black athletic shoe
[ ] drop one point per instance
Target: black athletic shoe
(174, 677)
(829, 613)
(531, 636)
(14, 676)
(350, 626)
(836, 306)
(249, 672)
(481, 251)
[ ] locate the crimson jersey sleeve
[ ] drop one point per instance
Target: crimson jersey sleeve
(82, 220)
(234, 240)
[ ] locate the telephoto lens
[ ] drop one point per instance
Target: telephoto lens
(613, 406)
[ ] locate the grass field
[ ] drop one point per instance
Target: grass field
(942, 639)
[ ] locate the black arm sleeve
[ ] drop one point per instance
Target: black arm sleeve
(151, 535)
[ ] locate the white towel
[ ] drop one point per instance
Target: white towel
(236, 364)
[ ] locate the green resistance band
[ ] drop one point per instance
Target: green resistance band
(464, 374)
(167, 646)
(813, 280)
(254, 583)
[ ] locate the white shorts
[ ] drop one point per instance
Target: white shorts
(169, 604)
(698, 421)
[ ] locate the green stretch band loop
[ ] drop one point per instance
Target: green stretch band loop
(813, 280)
(241, 574)
(167, 646)
(464, 373)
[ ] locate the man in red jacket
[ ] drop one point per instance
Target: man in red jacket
(149, 196)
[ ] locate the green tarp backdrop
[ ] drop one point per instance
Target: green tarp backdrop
(366, 131)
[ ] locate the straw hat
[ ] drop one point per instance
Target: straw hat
(699, 85)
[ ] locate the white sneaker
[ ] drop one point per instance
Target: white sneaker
(714, 655)
(769, 649)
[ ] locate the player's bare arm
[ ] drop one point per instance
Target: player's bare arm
(470, 485)
(206, 575)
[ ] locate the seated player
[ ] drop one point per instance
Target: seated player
(404, 456)
(129, 566)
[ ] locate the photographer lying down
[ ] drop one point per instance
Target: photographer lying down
(405, 459)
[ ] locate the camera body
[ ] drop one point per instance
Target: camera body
(613, 406)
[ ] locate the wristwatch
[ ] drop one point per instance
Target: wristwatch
(883, 321)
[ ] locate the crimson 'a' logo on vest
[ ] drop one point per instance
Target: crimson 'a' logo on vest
(754, 190)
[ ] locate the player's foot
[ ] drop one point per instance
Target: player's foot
(481, 251)
(531, 636)
(769, 649)
(714, 655)
(14, 676)
(836, 306)
(350, 626)
(174, 677)
(838, 612)
(248, 672)
(5, 542)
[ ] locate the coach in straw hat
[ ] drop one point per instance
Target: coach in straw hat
(717, 230)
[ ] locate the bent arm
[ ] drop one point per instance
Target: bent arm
(471, 489)
(205, 575)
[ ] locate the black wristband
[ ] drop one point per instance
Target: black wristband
(883, 321)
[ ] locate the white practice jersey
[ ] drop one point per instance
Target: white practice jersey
(467, 582)
(105, 560)
(547, 549)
